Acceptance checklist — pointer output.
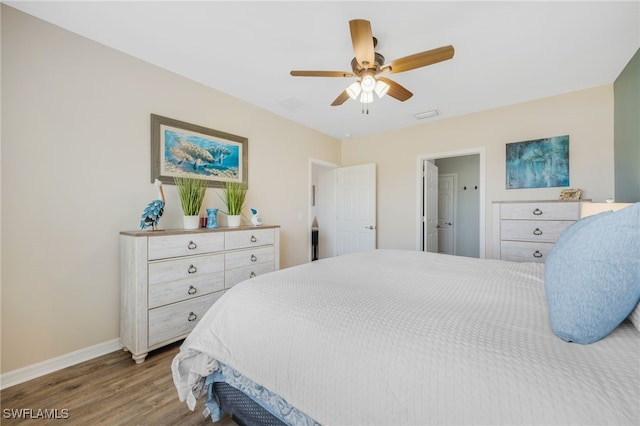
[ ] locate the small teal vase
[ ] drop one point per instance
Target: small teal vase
(212, 218)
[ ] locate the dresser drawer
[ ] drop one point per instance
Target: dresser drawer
(184, 278)
(184, 245)
(184, 268)
(234, 276)
(533, 230)
(541, 211)
(176, 320)
(248, 238)
(175, 291)
(242, 258)
(519, 251)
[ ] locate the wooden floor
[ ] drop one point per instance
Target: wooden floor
(109, 390)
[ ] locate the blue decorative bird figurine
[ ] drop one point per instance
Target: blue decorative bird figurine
(153, 212)
(255, 219)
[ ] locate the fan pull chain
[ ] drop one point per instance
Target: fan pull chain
(365, 110)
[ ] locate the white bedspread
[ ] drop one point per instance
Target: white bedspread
(401, 337)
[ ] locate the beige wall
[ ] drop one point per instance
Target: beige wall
(75, 172)
(586, 116)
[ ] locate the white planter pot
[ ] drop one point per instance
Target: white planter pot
(234, 220)
(191, 222)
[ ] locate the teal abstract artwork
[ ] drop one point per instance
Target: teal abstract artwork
(539, 163)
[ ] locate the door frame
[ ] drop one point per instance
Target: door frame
(481, 192)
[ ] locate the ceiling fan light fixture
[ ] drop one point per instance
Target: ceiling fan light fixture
(381, 88)
(368, 63)
(354, 90)
(368, 83)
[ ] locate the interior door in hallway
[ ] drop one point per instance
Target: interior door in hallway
(446, 214)
(355, 209)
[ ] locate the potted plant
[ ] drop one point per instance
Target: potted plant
(191, 192)
(234, 195)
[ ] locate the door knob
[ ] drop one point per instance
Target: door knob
(370, 227)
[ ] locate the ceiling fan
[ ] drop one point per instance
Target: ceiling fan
(368, 65)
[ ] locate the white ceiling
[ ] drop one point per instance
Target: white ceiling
(505, 52)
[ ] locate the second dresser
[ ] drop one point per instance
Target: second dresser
(525, 231)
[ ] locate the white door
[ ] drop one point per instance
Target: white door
(430, 208)
(355, 209)
(446, 214)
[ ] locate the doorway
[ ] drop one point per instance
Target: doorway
(468, 226)
(321, 208)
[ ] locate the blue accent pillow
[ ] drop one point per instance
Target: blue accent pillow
(592, 275)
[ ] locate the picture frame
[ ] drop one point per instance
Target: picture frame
(181, 149)
(538, 163)
(570, 194)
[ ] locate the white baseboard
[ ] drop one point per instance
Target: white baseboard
(39, 369)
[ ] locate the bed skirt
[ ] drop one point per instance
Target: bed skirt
(247, 402)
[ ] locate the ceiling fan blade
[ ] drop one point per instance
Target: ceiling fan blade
(421, 59)
(396, 90)
(362, 39)
(340, 99)
(322, 74)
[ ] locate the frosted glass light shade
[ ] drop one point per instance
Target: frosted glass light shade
(368, 83)
(354, 90)
(366, 97)
(381, 88)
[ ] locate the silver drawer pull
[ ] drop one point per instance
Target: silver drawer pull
(192, 290)
(192, 269)
(253, 258)
(253, 239)
(537, 254)
(192, 317)
(537, 231)
(537, 212)
(192, 245)
(253, 274)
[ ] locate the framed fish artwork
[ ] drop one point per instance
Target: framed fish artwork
(180, 149)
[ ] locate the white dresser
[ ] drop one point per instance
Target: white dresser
(170, 278)
(525, 231)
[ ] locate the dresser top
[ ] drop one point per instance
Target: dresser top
(165, 232)
(544, 201)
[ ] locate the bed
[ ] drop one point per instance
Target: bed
(405, 338)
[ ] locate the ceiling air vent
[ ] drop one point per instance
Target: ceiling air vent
(426, 114)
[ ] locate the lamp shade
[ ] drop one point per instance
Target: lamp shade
(368, 83)
(381, 88)
(354, 90)
(366, 97)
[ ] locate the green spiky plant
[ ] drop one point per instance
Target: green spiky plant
(191, 192)
(234, 196)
